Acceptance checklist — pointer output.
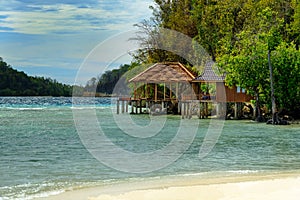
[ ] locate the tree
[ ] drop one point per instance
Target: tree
(250, 64)
(174, 15)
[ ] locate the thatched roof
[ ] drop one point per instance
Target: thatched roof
(164, 73)
(209, 74)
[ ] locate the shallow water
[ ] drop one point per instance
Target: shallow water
(41, 152)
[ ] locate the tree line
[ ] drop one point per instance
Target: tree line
(106, 82)
(16, 83)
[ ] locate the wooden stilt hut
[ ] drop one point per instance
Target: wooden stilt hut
(161, 86)
(169, 87)
(222, 94)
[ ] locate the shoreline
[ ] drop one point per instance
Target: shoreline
(240, 186)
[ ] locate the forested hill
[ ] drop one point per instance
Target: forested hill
(16, 83)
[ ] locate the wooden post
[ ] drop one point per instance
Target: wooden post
(206, 109)
(131, 105)
(155, 97)
(122, 106)
(126, 109)
(177, 86)
(164, 91)
(182, 109)
(235, 110)
(118, 104)
(147, 106)
(185, 109)
(136, 107)
(140, 105)
(199, 111)
(170, 90)
(254, 111)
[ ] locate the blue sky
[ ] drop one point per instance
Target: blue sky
(51, 38)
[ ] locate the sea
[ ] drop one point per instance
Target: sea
(49, 145)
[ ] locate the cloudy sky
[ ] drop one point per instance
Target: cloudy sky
(52, 38)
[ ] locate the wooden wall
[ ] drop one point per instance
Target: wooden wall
(234, 94)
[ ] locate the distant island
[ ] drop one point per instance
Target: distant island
(17, 83)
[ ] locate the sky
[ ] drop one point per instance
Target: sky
(53, 38)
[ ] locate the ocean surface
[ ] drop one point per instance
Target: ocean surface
(42, 153)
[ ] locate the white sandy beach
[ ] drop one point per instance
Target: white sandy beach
(267, 187)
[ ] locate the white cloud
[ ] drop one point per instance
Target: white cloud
(41, 35)
(65, 18)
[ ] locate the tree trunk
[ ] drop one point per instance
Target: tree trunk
(274, 115)
(259, 117)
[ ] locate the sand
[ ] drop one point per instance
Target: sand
(258, 187)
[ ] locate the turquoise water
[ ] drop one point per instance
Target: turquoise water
(41, 152)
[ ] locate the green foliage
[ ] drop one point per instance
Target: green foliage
(174, 15)
(107, 81)
(15, 83)
(247, 63)
(286, 63)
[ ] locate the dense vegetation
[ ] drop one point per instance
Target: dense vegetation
(249, 39)
(106, 82)
(15, 83)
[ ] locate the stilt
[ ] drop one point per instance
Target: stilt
(126, 108)
(123, 106)
(199, 110)
(140, 106)
(235, 110)
(136, 107)
(182, 109)
(118, 107)
(155, 93)
(206, 110)
(132, 107)
(188, 110)
(254, 111)
(147, 106)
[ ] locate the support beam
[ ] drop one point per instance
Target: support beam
(132, 107)
(118, 107)
(170, 90)
(155, 93)
(140, 106)
(147, 106)
(136, 107)
(164, 91)
(177, 87)
(235, 110)
(126, 109)
(182, 109)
